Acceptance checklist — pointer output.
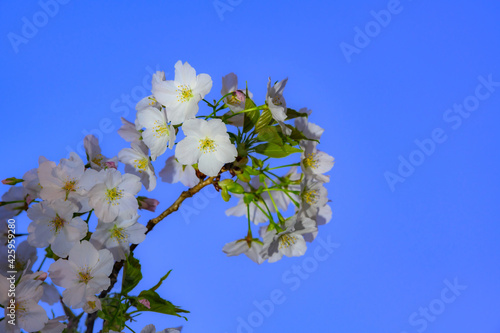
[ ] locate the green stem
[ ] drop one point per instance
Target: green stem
(88, 217)
(284, 166)
(248, 214)
(284, 190)
(245, 111)
(41, 264)
(129, 328)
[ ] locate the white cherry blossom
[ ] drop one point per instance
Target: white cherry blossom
(174, 172)
(114, 194)
(206, 143)
(117, 235)
(53, 224)
(181, 95)
(83, 275)
(315, 162)
(137, 162)
(158, 135)
(277, 104)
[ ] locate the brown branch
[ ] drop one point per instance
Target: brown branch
(89, 322)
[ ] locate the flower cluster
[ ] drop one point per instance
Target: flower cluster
(86, 214)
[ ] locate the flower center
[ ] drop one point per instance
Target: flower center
(310, 162)
(57, 223)
(207, 145)
(153, 101)
(91, 304)
(69, 186)
(277, 100)
(287, 240)
(84, 276)
(141, 164)
(98, 159)
(233, 100)
(160, 129)
(20, 308)
(113, 195)
(118, 234)
(311, 196)
(185, 93)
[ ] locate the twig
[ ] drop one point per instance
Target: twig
(89, 322)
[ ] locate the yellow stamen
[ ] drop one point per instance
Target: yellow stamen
(160, 129)
(310, 196)
(84, 276)
(141, 164)
(98, 159)
(69, 186)
(113, 195)
(57, 223)
(118, 233)
(310, 162)
(185, 93)
(277, 100)
(207, 145)
(287, 240)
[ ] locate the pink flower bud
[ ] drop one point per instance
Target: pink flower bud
(145, 302)
(29, 199)
(239, 95)
(111, 164)
(41, 277)
(147, 203)
(11, 181)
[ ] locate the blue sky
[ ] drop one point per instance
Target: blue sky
(408, 93)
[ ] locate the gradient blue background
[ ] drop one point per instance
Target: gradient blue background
(396, 247)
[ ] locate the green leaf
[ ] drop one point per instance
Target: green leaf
(235, 188)
(274, 150)
(225, 194)
(232, 137)
(161, 281)
(50, 254)
(114, 314)
(270, 134)
(264, 120)
(244, 176)
(248, 198)
(157, 304)
(131, 274)
(250, 117)
(251, 171)
(258, 163)
(291, 113)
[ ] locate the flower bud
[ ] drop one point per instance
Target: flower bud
(145, 302)
(12, 181)
(147, 203)
(110, 164)
(240, 95)
(41, 277)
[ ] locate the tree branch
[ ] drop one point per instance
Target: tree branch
(89, 322)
